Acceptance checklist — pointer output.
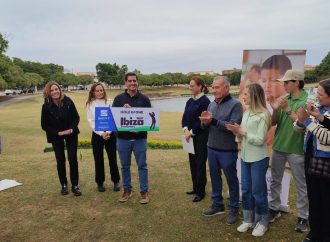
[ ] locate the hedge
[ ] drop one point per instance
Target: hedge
(152, 144)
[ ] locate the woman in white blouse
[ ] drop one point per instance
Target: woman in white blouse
(98, 98)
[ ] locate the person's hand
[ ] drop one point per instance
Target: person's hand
(312, 110)
(284, 104)
(239, 145)
(127, 106)
(187, 135)
(302, 115)
(236, 129)
(105, 135)
(206, 117)
(274, 102)
(65, 132)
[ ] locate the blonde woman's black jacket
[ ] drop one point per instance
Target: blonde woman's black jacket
(55, 119)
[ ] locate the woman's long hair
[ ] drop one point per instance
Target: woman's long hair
(46, 92)
(91, 95)
(258, 101)
(201, 83)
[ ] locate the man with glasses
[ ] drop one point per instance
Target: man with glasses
(133, 142)
(288, 146)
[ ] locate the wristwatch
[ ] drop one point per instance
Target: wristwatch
(288, 112)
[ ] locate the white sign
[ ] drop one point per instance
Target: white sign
(188, 146)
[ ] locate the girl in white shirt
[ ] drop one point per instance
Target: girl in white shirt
(98, 98)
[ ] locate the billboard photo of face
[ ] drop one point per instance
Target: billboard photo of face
(266, 66)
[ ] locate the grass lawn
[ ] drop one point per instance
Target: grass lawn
(36, 211)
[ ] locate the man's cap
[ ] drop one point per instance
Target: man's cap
(292, 75)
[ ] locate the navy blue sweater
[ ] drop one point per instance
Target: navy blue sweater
(191, 114)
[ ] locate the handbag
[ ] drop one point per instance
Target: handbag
(319, 167)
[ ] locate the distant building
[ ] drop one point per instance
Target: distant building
(202, 73)
(309, 67)
(226, 72)
(92, 74)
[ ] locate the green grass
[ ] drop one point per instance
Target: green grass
(36, 211)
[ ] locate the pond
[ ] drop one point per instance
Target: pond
(175, 104)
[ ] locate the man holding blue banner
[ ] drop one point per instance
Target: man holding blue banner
(129, 142)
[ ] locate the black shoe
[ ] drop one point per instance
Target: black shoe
(100, 188)
(76, 191)
(198, 198)
(308, 238)
(301, 225)
(232, 218)
(273, 215)
(64, 190)
(116, 187)
(212, 211)
(192, 192)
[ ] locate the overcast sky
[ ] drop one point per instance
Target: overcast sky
(162, 36)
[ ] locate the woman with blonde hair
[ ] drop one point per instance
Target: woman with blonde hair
(98, 98)
(60, 119)
(254, 159)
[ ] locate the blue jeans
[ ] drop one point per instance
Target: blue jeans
(225, 160)
(139, 148)
(254, 186)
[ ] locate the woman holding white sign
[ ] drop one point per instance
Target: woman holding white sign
(254, 159)
(194, 133)
(98, 98)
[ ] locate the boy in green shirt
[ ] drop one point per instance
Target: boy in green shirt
(288, 146)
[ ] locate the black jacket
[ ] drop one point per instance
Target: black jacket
(55, 119)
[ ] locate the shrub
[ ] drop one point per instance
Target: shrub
(152, 144)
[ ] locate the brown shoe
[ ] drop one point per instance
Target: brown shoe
(144, 198)
(126, 196)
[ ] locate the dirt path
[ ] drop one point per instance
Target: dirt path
(14, 99)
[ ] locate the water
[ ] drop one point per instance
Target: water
(176, 104)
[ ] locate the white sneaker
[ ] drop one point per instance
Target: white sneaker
(244, 227)
(259, 230)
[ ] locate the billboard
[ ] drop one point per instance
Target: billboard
(265, 67)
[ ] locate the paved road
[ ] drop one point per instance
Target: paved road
(16, 99)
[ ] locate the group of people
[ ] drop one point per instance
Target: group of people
(223, 129)
(220, 131)
(60, 119)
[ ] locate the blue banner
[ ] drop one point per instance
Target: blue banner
(104, 120)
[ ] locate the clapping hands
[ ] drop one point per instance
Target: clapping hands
(236, 129)
(206, 117)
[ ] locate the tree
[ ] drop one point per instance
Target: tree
(3, 83)
(44, 70)
(323, 70)
(4, 44)
(235, 77)
(66, 79)
(310, 76)
(85, 79)
(32, 79)
(111, 73)
(14, 76)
